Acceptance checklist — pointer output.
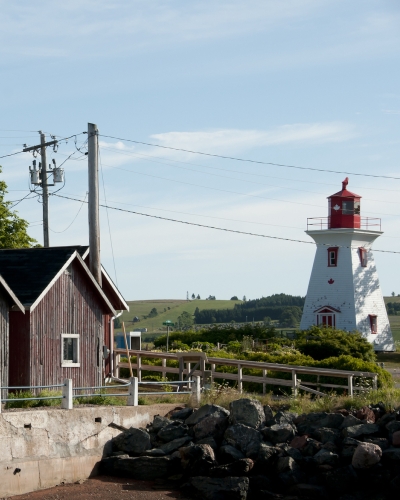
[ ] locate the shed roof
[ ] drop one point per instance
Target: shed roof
(28, 271)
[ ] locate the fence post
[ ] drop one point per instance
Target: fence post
(116, 365)
(294, 383)
(350, 385)
(164, 364)
(196, 394)
(240, 378)
(139, 366)
(265, 372)
(375, 382)
(133, 392)
(67, 400)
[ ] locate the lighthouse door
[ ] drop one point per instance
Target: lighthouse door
(326, 317)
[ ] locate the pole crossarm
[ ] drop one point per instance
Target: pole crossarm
(33, 148)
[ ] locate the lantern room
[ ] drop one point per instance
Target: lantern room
(344, 209)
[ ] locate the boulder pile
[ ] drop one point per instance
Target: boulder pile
(250, 452)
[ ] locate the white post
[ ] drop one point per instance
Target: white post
(264, 384)
(164, 365)
(350, 385)
(196, 394)
(67, 400)
(294, 383)
(133, 392)
(240, 378)
(375, 382)
(139, 366)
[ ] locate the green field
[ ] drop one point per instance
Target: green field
(142, 308)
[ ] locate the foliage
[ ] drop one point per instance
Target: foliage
(321, 343)
(185, 320)
(234, 298)
(153, 313)
(117, 323)
(13, 229)
(35, 403)
(393, 308)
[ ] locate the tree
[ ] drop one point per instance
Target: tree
(244, 298)
(234, 298)
(193, 296)
(153, 313)
(393, 294)
(198, 297)
(12, 228)
(185, 320)
(117, 323)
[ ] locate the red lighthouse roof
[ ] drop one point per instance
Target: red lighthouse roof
(344, 193)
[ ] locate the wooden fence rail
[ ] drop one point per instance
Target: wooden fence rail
(208, 372)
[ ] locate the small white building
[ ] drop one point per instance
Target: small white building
(344, 290)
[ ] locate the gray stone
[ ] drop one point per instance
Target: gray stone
(393, 426)
(360, 430)
(174, 445)
(388, 417)
(285, 418)
(172, 431)
(266, 454)
(289, 473)
(249, 412)
(155, 452)
(366, 455)
(158, 423)
(182, 414)
(311, 447)
(232, 488)
(237, 468)
(144, 468)
(211, 426)
(341, 480)
(278, 433)
(133, 441)
(308, 423)
(350, 421)
(198, 459)
(206, 411)
(228, 454)
(383, 443)
(210, 441)
(245, 438)
(327, 435)
(285, 464)
(268, 413)
(325, 457)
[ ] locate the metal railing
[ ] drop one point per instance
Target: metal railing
(323, 223)
(209, 373)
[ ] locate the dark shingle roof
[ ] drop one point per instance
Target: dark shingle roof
(29, 270)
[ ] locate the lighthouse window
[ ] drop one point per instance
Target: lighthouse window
(363, 256)
(356, 208)
(348, 208)
(332, 256)
(373, 319)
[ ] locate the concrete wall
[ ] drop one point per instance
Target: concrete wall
(43, 448)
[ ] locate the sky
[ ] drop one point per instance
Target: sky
(305, 83)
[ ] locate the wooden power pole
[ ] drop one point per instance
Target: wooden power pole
(45, 191)
(93, 208)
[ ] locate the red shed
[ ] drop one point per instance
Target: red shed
(65, 325)
(344, 209)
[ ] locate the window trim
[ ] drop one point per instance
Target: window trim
(334, 250)
(363, 253)
(70, 364)
(373, 318)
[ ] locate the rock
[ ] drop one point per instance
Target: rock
(299, 442)
(327, 435)
(206, 411)
(341, 480)
(228, 454)
(182, 414)
(133, 441)
(325, 457)
(258, 483)
(159, 423)
(383, 443)
(366, 414)
(291, 452)
(278, 433)
(172, 431)
(388, 417)
(393, 426)
(237, 468)
(285, 418)
(285, 464)
(268, 413)
(396, 438)
(391, 454)
(360, 430)
(206, 488)
(210, 441)
(266, 454)
(211, 426)
(289, 473)
(245, 438)
(350, 421)
(155, 452)
(311, 448)
(174, 445)
(349, 446)
(308, 423)
(310, 491)
(144, 468)
(198, 459)
(366, 455)
(249, 412)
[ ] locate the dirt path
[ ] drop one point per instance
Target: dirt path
(110, 488)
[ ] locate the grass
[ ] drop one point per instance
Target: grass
(142, 308)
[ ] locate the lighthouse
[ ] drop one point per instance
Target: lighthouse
(344, 290)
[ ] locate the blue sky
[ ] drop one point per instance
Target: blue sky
(306, 83)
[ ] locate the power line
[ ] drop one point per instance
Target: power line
(217, 228)
(259, 162)
(73, 220)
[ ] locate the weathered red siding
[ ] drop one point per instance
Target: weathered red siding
(20, 355)
(107, 342)
(4, 342)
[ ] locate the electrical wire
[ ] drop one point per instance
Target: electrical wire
(22, 199)
(73, 220)
(219, 228)
(259, 162)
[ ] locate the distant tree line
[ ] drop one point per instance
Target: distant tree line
(287, 309)
(393, 308)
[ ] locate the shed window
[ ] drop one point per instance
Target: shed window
(373, 320)
(70, 350)
(332, 256)
(363, 256)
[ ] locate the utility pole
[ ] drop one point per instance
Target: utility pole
(93, 208)
(41, 180)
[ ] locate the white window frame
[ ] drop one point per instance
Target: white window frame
(71, 364)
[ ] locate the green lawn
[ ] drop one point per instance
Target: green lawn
(142, 308)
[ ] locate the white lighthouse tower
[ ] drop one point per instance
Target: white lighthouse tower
(344, 290)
